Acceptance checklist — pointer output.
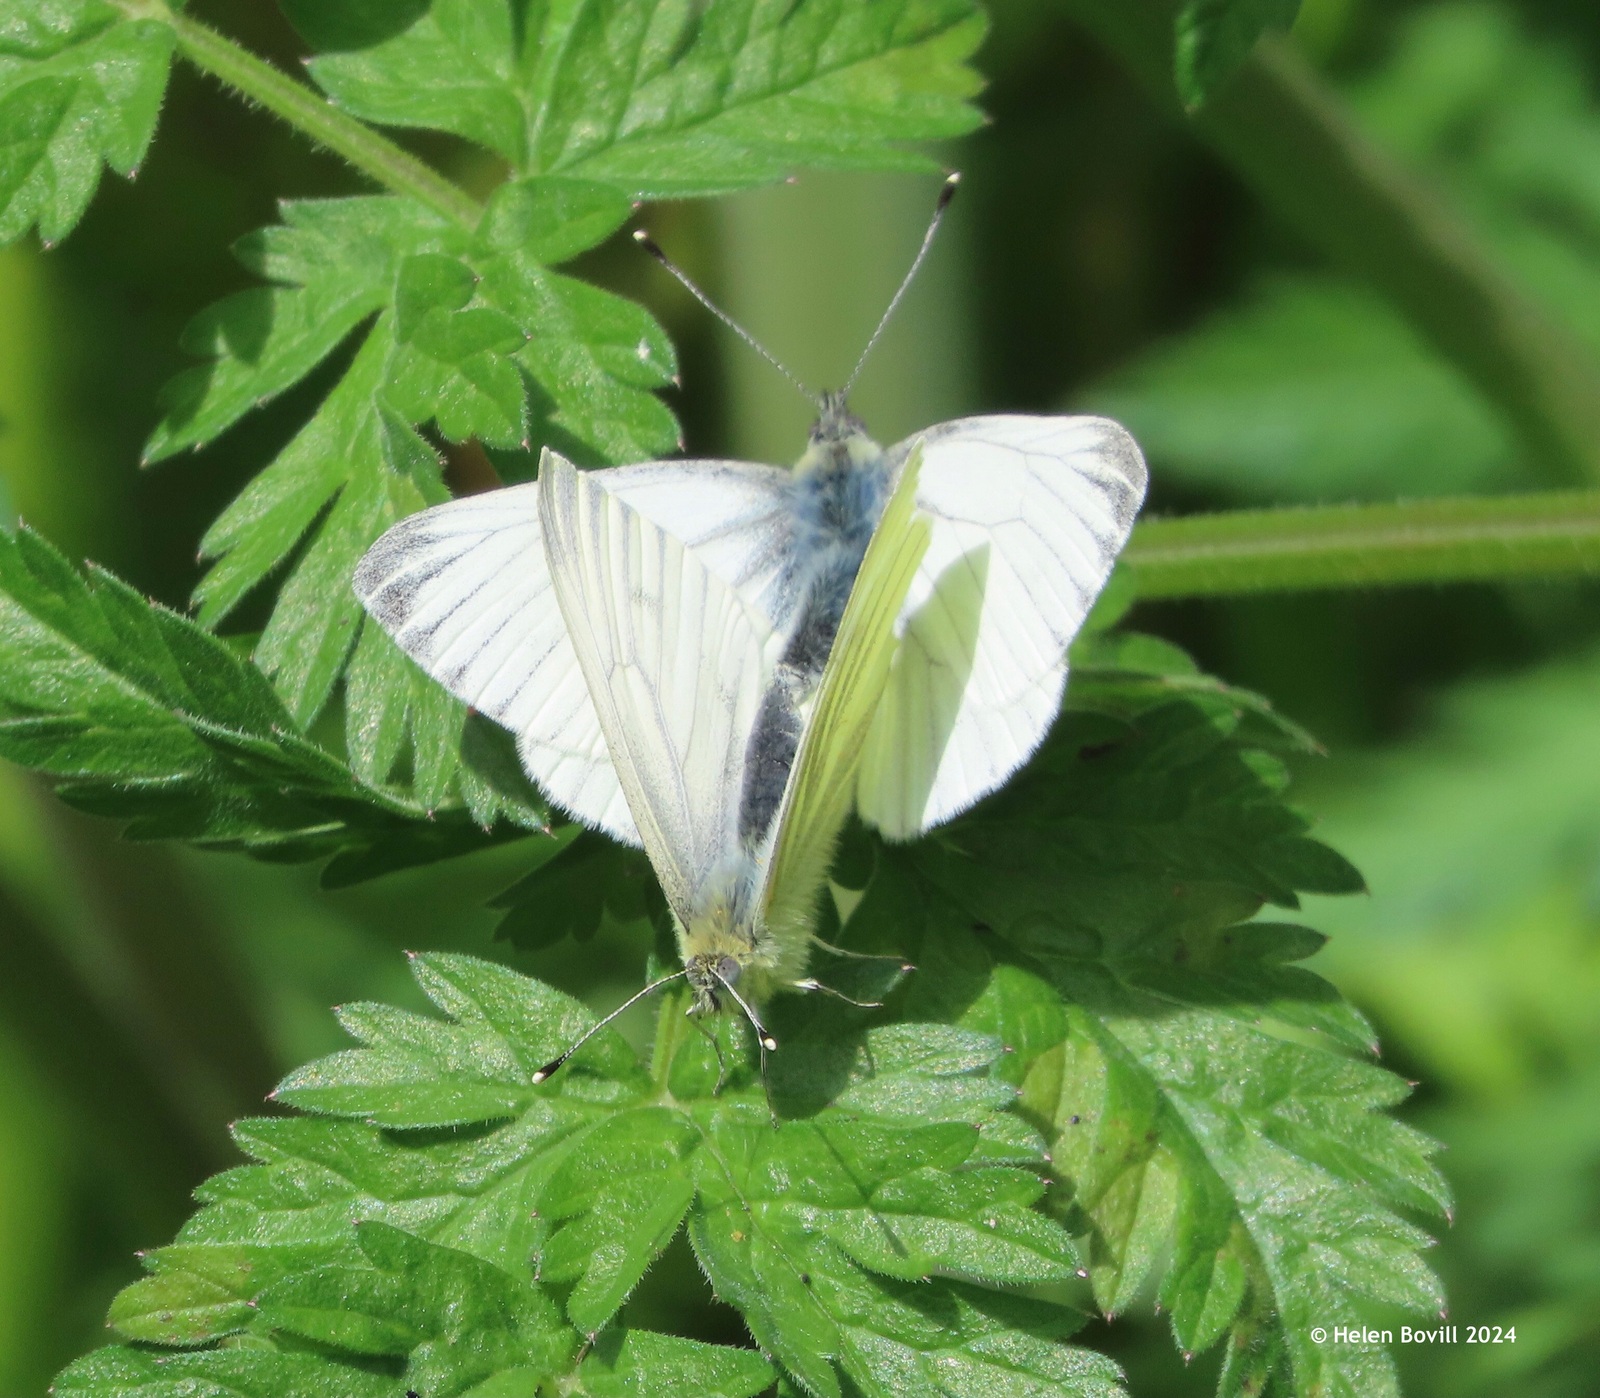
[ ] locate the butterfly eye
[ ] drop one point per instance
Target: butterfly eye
(728, 970)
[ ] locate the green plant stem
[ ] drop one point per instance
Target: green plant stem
(1468, 539)
(1294, 141)
(374, 155)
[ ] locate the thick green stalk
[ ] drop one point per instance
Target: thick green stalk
(1467, 539)
(1292, 138)
(374, 155)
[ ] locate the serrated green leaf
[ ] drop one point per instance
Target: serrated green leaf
(222, 1373)
(637, 1364)
(80, 86)
(585, 880)
(662, 100)
(592, 357)
(457, 1319)
(136, 713)
(417, 1071)
(620, 1195)
(1211, 1135)
(550, 218)
(581, 1181)
(476, 337)
(1213, 37)
(191, 1296)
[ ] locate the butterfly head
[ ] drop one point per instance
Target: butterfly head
(711, 977)
(835, 422)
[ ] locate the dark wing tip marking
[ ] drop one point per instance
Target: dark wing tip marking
(1121, 452)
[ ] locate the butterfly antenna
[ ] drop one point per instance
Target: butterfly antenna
(652, 247)
(767, 1042)
(946, 194)
(549, 1068)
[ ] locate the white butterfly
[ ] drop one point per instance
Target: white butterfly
(736, 763)
(716, 660)
(1027, 516)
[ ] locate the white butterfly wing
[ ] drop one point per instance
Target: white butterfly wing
(465, 590)
(737, 517)
(1029, 514)
(675, 661)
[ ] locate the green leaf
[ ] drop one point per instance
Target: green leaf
(551, 219)
(1213, 37)
(664, 100)
(475, 336)
(1260, 402)
(457, 1319)
(134, 712)
(826, 1230)
(1214, 1129)
(586, 880)
(223, 1373)
(637, 1364)
(80, 86)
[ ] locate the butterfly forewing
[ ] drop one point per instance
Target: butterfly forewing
(1028, 515)
(675, 661)
(464, 589)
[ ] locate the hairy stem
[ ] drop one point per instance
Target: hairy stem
(375, 156)
(1294, 141)
(1467, 539)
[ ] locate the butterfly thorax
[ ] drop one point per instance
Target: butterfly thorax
(838, 492)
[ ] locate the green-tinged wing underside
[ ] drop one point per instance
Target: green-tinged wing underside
(821, 786)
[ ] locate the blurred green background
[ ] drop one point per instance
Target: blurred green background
(1098, 257)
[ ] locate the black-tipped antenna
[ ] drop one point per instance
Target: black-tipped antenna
(550, 1068)
(652, 247)
(946, 194)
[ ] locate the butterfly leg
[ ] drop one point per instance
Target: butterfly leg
(866, 1043)
(716, 1048)
(837, 994)
(860, 955)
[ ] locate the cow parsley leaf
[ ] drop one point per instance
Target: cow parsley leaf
(440, 1193)
(666, 100)
(135, 712)
(80, 87)
(1213, 1115)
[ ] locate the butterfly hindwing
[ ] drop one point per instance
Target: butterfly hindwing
(1027, 517)
(818, 795)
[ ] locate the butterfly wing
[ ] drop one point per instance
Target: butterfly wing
(675, 662)
(465, 590)
(818, 795)
(1028, 515)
